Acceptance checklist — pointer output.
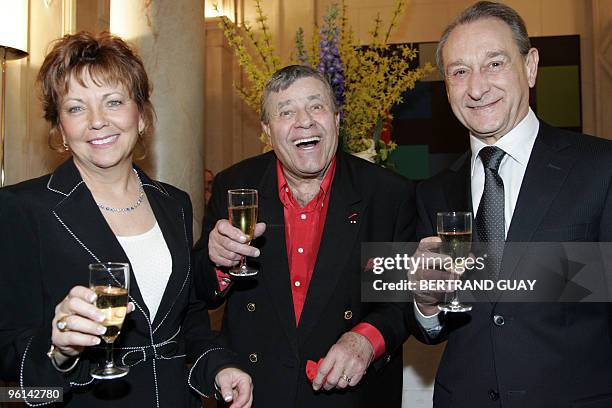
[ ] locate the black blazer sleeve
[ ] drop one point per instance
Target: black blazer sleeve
(25, 330)
(206, 284)
(203, 346)
(424, 228)
(389, 318)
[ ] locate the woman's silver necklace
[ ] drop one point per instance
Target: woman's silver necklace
(141, 196)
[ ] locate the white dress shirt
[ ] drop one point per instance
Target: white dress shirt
(517, 144)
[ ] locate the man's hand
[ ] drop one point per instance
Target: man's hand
(345, 362)
(227, 244)
(427, 301)
(236, 387)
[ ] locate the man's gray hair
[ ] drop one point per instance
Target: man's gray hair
(483, 10)
(285, 77)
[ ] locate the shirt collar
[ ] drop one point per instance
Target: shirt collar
(285, 192)
(517, 143)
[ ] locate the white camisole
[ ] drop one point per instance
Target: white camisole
(151, 263)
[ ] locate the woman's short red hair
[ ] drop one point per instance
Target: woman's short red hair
(108, 60)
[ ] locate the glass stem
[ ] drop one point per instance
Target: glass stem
(109, 355)
(242, 260)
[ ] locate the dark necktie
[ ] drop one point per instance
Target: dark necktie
(490, 224)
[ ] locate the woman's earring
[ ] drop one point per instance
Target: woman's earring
(66, 148)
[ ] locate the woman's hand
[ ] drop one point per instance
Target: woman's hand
(80, 322)
(235, 386)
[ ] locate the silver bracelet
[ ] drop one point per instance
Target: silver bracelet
(51, 354)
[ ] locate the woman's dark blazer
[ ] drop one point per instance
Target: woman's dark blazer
(50, 230)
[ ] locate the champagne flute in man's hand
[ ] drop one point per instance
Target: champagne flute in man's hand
(242, 208)
(455, 231)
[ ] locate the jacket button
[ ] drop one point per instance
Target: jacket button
(253, 357)
(494, 395)
(251, 307)
(348, 315)
(499, 320)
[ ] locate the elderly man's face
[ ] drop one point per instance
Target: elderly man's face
(487, 79)
(303, 128)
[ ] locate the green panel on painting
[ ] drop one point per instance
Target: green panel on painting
(412, 161)
(558, 95)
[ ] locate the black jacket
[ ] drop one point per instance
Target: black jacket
(50, 230)
(536, 355)
(367, 204)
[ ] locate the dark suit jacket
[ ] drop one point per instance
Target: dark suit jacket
(542, 355)
(259, 317)
(50, 230)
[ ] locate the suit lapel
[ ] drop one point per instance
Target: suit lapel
(81, 217)
(274, 270)
(171, 219)
(78, 213)
(458, 188)
(545, 174)
(342, 224)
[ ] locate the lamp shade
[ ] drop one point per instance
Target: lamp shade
(14, 27)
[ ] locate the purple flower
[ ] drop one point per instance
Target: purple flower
(330, 63)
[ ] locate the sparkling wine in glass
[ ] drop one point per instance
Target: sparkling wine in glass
(455, 231)
(111, 283)
(242, 209)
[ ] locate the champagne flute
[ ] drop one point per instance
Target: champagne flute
(111, 283)
(242, 208)
(455, 230)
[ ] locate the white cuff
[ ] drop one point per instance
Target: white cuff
(431, 324)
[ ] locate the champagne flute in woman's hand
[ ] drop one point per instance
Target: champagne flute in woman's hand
(111, 283)
(242, 208)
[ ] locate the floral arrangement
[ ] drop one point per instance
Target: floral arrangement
(367, 80)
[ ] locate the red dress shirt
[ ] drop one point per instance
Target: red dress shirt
(303, 233)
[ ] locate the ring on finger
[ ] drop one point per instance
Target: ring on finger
(61, 324)
(346, 378)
